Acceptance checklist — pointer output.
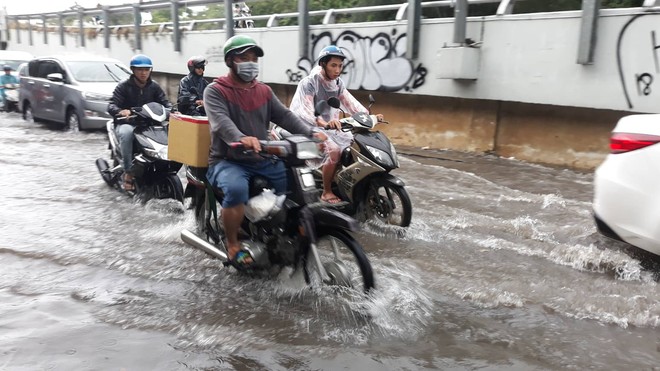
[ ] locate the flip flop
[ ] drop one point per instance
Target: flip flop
(331, 200)
(127, 185)
(239, 261)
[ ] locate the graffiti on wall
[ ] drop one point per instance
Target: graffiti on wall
(372, 63)
(638, 59)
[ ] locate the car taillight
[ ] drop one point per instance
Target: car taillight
(626, 142)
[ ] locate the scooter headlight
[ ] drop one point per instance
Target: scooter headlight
(394, 156)
(307, 150)
(381, 157)
(160, 152)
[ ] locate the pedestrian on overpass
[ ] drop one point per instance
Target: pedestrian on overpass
(322, 83)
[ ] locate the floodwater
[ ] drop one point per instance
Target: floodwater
(501, 268)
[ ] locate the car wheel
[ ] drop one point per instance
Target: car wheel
(27, 113)
(72, 120)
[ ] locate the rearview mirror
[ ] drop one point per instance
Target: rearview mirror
(334, 102)
(55, 77)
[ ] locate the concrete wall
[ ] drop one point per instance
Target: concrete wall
(523, 94)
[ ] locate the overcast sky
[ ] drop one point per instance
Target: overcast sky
(14, 7)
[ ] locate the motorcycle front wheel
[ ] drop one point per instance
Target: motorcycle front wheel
(173, 188)
(168, 187)
(390, 204)
(343, 259)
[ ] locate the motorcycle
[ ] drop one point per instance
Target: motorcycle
(363, 180)
(241, 15)
(284, 231)
(11, 97)
(154, 175)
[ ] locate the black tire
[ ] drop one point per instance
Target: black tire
(175, 188)
(390, 204)
(72, 122)
(350, 258)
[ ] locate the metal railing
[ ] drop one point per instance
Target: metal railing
(227, 23)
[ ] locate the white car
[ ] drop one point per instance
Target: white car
(627, 184)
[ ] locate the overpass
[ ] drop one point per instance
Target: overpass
(541, 87)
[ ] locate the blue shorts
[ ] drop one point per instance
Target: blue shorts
(234, 177)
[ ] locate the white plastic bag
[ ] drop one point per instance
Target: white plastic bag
(262, 205)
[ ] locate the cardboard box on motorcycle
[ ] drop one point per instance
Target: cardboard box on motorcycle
(189, 140)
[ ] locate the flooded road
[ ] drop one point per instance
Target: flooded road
(501, 269)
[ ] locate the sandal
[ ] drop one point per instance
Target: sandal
(331, 200)
(127, 183)
(243, 260)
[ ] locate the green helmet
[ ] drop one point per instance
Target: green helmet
(239, 44)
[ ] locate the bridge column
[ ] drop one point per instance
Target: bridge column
(106, 27)
(414, 26)
(229, 18)
(588, 31)
(137, 21)
(460, 21)
(60, 21)
(303, 28)
(29, 31)
(44, 28)
(81, 27)
(176, 32)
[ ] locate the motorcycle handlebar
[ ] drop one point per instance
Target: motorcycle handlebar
(278, 148)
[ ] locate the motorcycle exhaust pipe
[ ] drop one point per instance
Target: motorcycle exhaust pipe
(194, 241)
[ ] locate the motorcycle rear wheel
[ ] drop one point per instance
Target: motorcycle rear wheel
(343, 259)
(390, 204)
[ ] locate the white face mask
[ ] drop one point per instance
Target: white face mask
(247, 71)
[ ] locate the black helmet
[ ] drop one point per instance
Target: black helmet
(197, 61)
(329, 52)
(7, 67)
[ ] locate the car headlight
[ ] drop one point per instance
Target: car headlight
(381, 156)
(96, 96)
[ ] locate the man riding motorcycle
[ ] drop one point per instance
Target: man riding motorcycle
(191, 88)
(240, 109)
(135, 91)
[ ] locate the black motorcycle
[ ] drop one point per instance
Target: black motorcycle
(294, 231)
(154, 175)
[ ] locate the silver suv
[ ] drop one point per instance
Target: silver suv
(71, 90)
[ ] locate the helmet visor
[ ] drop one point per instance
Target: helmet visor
(258, 50)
